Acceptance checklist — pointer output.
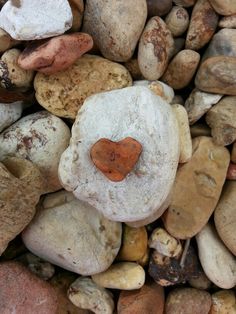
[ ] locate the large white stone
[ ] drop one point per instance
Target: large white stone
(35, 19)
(130, 112)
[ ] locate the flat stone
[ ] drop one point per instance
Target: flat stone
(217, 261)
(73, 235)
(223, 302)
(147, 186)
(9, 113)
(197, 189)
(64, 93)
(224, 215)
(32, 19)
(227, 7)
(23, 292)
(115, 26)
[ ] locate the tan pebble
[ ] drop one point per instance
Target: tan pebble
(200, 129)
(185, 62)
(11, 75)
(177, 21)
(197, 189)
(202, 25)
(86, 294)
(156, 45)
(184, 133)
(231, 173)
(227, 7)
(228, 21)
(200, 282)
(218, 263)
(185, 3)
(77, 9)
(164, 243)
(133, 68)
(223, 302)
(123, 276)
(158, 8)
(63, 93)
(6, 42)
(149, 299)
(188, 300)
(221, 120)
(225, 216)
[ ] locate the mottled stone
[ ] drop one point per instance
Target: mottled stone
(223, 302)
(177, 21)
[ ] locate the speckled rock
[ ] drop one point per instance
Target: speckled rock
(56, 54)
(203, 23)
(20, 187)
(6, 42)
(217, 261)
(198, 103)
(224, 215)
(86, 294)
(77, 9)
(123, 276)
(23, 292)
(63, 93)
(90, 241)
(185, 3)
(197, 189)
(177, 21)
(115, 26)
(188, 300)
(158, 7)
(228, 21)
(156, 46)
(9, 113)
(11, 75)
(223, 302)
(149, 299)
(227, 7)
(32, 19)
(221, 119)
(41, 138)
(150, 180)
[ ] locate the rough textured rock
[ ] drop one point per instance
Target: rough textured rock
(198, 103)
(11, 75)
(184, 133)
(41, 138)
(123, 276)
(217, 261)
(203, 23)
(227, 7)
(134, 244)
(21, 184)
(147, 186)
(9, 113)
(185, 3)
(197, 189)
(221, 120)
(224, 215)
(185, 62)
(177, 21)
(115, 26)
(223, 302)
(77, 9)
(6, 42)
(156, 46)
(188, 300)
(23, 292)
(26, 19)
(63, 93)
(228, 21)
(86, 294)
(56, 54)
(158, 7)
(149, 299)
(90, 241)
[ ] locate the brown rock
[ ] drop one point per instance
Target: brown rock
(177, 21)
(134, 244)
(231, 173)
(188, 300)
(185, 3)
(217, 75)
(227, 7)
(228, 21)
(23, 292)
(225, 216)
(221, 120)
(56, 54)
(201, 282)
(63, 93)
(77, 8)
(158, 7)
(185, 62)
(202, 25)
(156, 46)
(223, 302)
(7, 96)
(149, 299)
(197, 189)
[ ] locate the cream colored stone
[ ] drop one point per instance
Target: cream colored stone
(223, 302)
(123, 276)
(63, 93)
(177, 21)
(184, 133)
(86, 294)
(197, 189)
(225, 216)
(217, 261)
(6, 42)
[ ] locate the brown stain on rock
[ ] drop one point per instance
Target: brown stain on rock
(16, 3)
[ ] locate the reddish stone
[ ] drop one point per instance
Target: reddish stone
(21, 292)
(231, 173)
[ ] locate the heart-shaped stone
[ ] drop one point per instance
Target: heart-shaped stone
(115, 159)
